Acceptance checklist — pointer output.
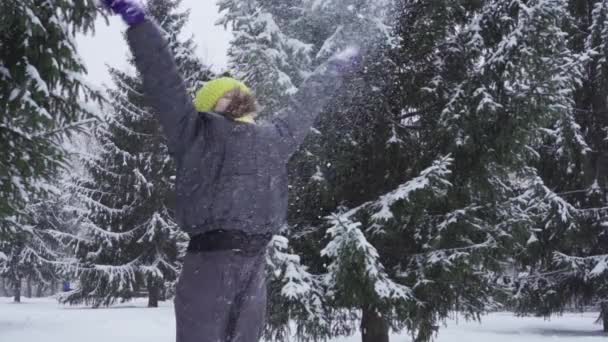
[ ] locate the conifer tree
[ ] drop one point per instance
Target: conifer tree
(41, 91)
(43, 97)
(133, 242)
(469, 86)
(263, 53)
(29, 253)
(564, 261)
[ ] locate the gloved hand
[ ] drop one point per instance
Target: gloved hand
(131, 11)
(349, 59)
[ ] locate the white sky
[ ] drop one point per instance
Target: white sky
(107, 45)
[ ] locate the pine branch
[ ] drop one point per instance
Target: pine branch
(65, 128)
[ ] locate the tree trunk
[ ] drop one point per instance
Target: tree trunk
(163, 292)
(17, 291)
(373, 327)
(605, 315)
(53, 287)
(3, 288)
(28, 288)
(40, 290)
(153, 293)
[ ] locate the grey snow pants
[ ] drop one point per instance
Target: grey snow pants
(221, 297)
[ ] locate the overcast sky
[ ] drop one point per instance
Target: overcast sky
(107, 45)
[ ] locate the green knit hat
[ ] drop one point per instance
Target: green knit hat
(209, 95)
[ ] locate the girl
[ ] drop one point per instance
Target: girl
(231, 179)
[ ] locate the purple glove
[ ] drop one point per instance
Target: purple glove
(131, 11)
(349, 59)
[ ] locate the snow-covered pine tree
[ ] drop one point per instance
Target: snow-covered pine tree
(487, 79)
(334, 24)
(34, 252)
(41, 91)
(42, 98)
(472, 80)
(296, 294)
(263, 53)
(564, 262)
(350, 158)
(26, 257)
(133, 242)
(331, 26)
(358, 278)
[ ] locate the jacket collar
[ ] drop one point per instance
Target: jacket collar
(249, 119)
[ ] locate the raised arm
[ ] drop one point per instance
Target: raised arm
(164, 87)
(296, 119)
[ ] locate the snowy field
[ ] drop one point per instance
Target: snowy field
(44, 320)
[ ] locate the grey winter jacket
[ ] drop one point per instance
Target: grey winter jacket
(230, 175)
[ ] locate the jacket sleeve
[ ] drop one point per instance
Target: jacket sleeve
(163, 86)
(295, 121)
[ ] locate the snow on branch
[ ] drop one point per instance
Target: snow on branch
(127, 270)
(433, 178)
(156, 226)
(298, 285)
(107, 235)
(587, 268)
(347, 248)
(538, 197)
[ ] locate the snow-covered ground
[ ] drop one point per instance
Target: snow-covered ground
(44, 320)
